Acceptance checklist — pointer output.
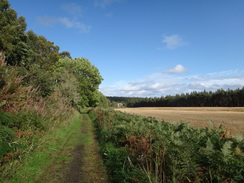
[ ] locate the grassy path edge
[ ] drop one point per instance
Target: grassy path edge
(54, 160)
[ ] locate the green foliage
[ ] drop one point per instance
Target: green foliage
(8, 119)
(43, 52)
(166, 152)
(119, 163)
(30, 120)
(12, 93)
(6, 134)
(22, 113)
(68, 86)
(39, 78)
(13, 45)
(102, 100)
(65, 54)
(85, 77)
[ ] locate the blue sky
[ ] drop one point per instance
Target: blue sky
(147, 48)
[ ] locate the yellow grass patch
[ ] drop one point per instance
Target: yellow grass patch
(231, 118)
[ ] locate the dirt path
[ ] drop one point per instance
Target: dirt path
(83, 163)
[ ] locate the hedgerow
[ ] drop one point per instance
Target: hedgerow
(24, 118)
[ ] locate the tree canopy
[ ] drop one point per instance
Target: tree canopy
(84, 74)
(13, 40)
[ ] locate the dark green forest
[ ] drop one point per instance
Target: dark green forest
(219, 98)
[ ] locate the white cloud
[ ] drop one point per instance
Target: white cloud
(161, 84)
(71, 21)
(173, 41)
(68, 23)
(178, 69)
(74, 24)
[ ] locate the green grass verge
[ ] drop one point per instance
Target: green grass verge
(36, 163)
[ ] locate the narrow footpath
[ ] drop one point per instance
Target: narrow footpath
(83, 163)
(87, 165)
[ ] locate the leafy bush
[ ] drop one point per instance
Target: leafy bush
(119, 163)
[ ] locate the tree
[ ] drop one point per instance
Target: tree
(13, 40)
(103, 101)
(42, 79)
(88, 78)
(38, 67)
(65, 54)
(43, 52)
(68, 86)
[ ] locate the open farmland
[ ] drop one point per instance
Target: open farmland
(231, 118)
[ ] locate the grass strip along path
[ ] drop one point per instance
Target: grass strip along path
(71, 155)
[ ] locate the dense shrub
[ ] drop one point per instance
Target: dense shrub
(119, 163)
(23, 114)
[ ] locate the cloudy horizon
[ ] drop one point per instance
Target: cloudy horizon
(172, 82)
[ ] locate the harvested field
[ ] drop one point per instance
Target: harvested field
(231, 118)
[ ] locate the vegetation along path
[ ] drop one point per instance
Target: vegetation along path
(76, 159)
(86, 165)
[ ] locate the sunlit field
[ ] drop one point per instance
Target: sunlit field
(231, 118)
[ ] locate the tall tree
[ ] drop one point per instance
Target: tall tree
(88, 78)
(13, 40)
(44, 52)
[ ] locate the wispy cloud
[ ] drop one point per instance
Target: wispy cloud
(67, 22)
(161, 84)
(73, 9)
(74, 24)
(104, 3)
(173, 41)
(74, 13)
(178, 69)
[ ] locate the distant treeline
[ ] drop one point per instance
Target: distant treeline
(219, 98)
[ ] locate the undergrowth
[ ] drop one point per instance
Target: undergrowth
(139, 149)
(25, 117)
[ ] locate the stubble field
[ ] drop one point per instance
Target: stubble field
(231, 118)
